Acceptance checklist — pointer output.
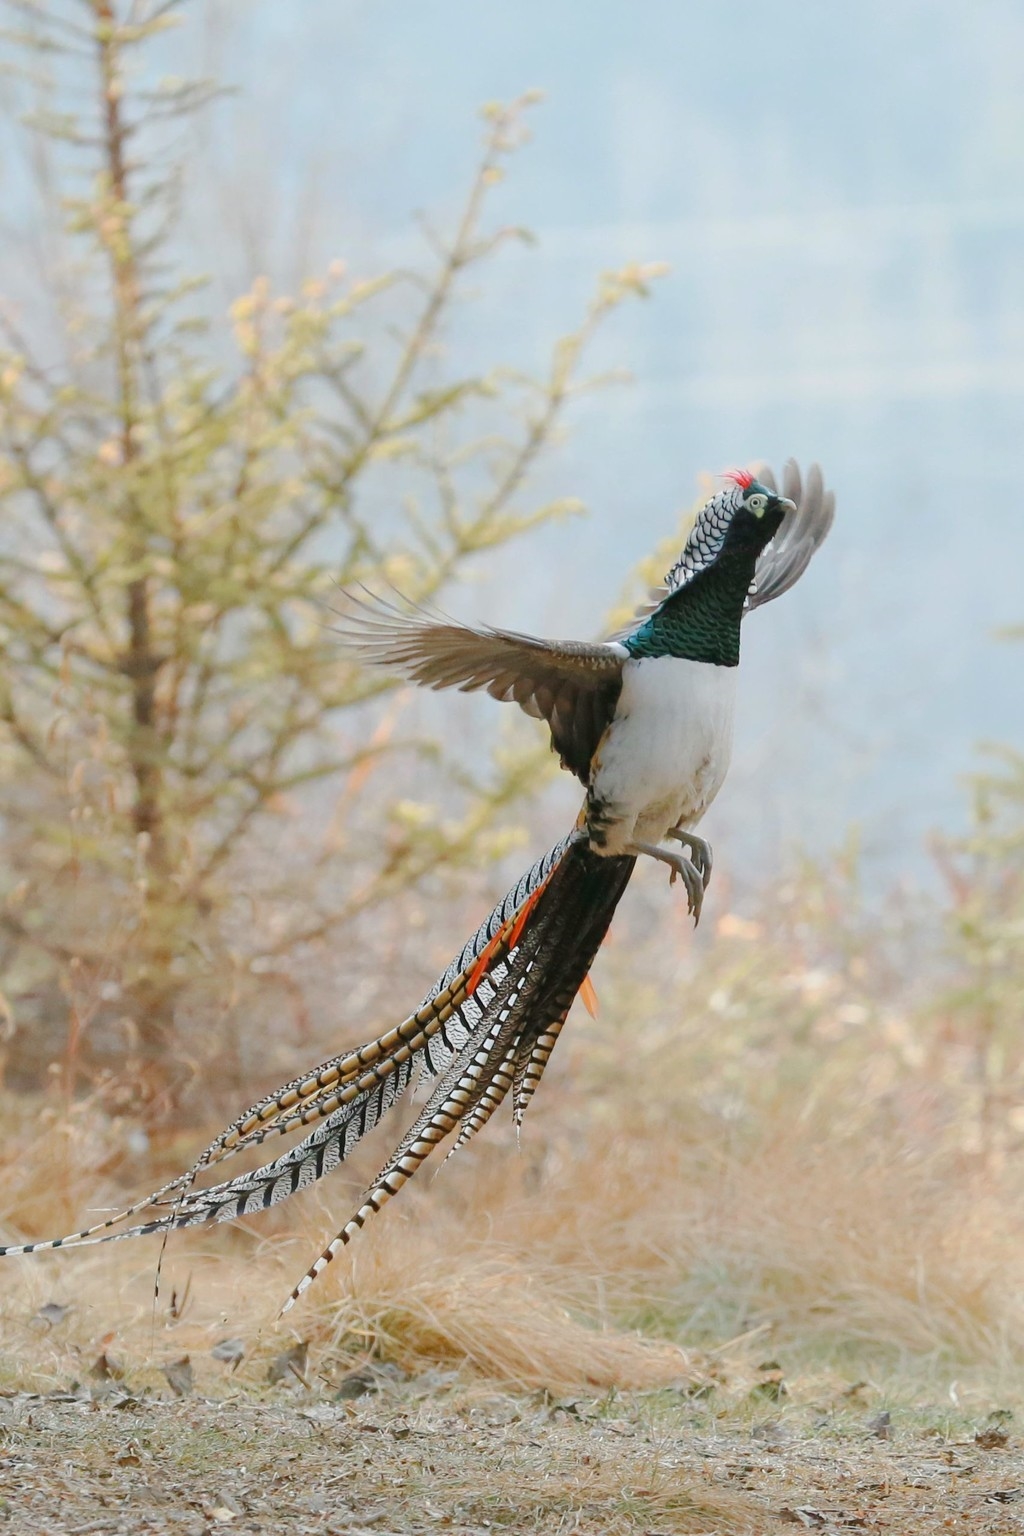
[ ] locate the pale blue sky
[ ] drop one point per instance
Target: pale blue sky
(839, 191)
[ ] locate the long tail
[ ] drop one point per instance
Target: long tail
(486, 1028)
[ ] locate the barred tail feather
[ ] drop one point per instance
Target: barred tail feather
(487, 1027)
(541, 977)
(531, 1058)
(492, 1098)
(354, 1082)
(322, 1151)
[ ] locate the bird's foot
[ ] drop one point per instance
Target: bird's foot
(680, 866)
(701, 855)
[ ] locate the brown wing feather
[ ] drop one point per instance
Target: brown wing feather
(570, 684)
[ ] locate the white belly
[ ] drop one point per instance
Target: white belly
(665, 757)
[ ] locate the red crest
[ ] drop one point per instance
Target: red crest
(741, 477)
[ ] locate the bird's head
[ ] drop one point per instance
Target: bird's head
(743, 517)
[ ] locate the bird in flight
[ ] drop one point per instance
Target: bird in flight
(644, 720)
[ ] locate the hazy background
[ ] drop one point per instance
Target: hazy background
(839, 193)
(797, 1139)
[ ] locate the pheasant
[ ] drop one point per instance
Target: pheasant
(644, 720)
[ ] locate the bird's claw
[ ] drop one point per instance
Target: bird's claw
(701, 855)
(680, 866)
(693, 880)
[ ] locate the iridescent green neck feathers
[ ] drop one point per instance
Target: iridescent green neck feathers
(700, 619)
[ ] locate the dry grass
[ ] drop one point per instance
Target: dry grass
(628, 1243)
(767, 1190)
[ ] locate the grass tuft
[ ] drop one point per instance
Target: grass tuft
(775, 1154)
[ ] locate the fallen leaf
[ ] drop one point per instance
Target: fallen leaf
(993, 1439)
(51, 1314)
(357, 1384)
(179, 1376)
(292, 1363)
(773, 1434)
(230, 1351)
(177, 1305)
(107, 1368)
(771, 1384)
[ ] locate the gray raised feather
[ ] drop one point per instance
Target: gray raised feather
(787, 556)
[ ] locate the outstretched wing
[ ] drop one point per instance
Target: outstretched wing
(787, 556)
(570, 684)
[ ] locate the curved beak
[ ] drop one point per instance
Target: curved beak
(786, 505)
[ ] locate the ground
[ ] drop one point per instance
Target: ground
(757, 1267)
(439, 1452)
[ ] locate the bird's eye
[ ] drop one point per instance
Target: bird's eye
(757, 503)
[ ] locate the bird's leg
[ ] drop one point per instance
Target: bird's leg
(679, 864)
(700, 850)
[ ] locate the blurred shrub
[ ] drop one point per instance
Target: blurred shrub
(985, 875)
(187, 766)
